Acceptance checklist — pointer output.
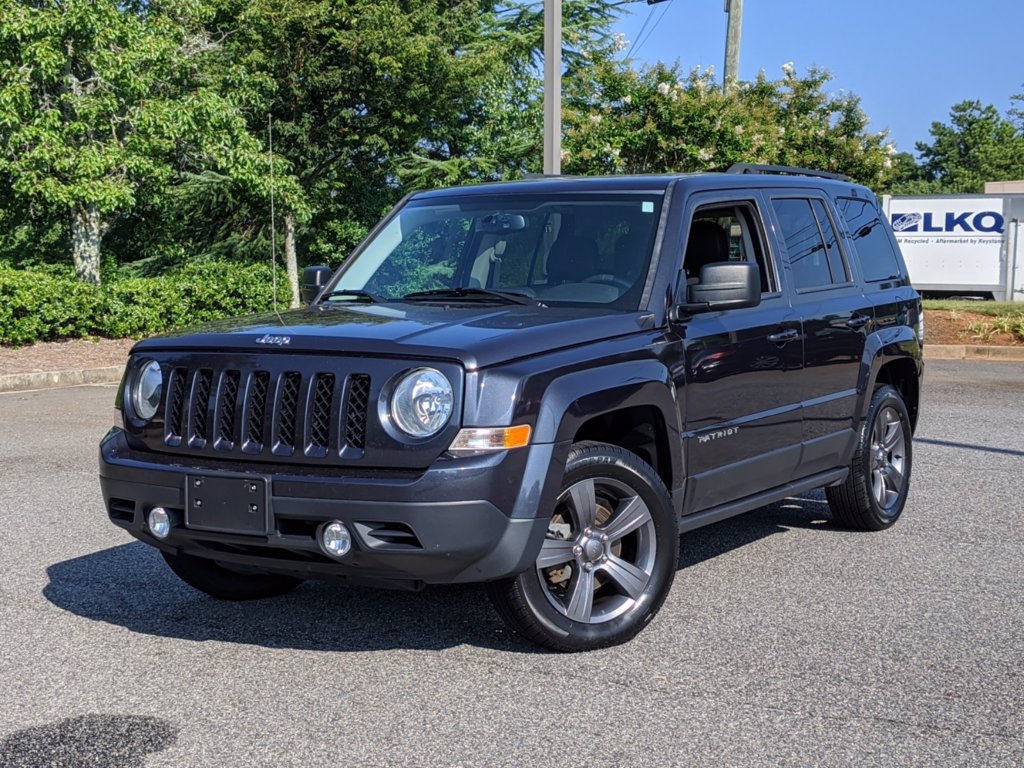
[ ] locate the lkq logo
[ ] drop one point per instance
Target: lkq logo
(717, 434)
(988, 222)
(277, 341)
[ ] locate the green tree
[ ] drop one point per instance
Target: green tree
(977, 145)
(619, 119)
(494, 129)
(103, 102)
(352, 90)
(369, 99)
(908, 176)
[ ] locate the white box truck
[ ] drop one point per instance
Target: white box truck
(961, 244)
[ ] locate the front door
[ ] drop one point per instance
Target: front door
(740, 400)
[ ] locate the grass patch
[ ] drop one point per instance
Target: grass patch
(993, 308)
(979, 322)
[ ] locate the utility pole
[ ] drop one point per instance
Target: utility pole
(552, 87)
(732, 44)
(553, 83)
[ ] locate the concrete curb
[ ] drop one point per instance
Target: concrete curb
(972, 352)
(19, 382)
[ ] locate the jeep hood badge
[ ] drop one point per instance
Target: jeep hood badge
(277, 341)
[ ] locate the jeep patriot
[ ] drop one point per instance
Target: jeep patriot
(538, 385)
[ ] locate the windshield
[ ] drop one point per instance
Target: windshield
(572, 250)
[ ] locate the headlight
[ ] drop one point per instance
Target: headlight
(422, 402)
(147, 389)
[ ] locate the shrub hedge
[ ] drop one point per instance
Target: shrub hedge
(45, 304)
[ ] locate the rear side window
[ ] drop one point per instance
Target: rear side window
(808, 258)
(871, 241)
(835, 259)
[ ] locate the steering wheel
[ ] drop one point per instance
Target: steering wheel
(609, 279)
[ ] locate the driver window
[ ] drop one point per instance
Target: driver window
(724, 233)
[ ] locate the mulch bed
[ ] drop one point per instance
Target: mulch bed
(66, 355)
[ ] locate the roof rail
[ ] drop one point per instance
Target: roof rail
(784, 170)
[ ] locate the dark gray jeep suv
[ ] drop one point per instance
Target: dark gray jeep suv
(538, 385)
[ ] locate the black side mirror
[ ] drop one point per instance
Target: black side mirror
(313, 281)
(723, 285)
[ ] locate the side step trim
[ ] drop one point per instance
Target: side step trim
(738, 507)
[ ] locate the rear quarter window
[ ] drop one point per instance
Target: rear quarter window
(870, 240)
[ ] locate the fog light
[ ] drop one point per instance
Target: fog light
(335, 539)
(159, 522)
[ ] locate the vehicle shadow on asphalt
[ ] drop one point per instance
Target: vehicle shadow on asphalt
(130, 586)
(809, 511)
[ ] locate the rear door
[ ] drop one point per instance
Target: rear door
(741, 413)
(836, 320)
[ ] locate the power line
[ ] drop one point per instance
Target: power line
(650, 15)
(660, 19)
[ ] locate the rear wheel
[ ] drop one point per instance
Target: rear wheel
(607, 562)
(217, 581)
(874, 493)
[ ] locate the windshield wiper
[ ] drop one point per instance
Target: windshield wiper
(469, 294)
(355, 294)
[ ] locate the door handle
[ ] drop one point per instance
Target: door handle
(783, 337)
(858, 321)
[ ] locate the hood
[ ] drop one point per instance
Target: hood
(475, 336)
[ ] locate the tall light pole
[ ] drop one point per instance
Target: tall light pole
(553, 83)
(732, 44)
(552, 87)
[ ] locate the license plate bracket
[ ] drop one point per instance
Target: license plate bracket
(227, 504)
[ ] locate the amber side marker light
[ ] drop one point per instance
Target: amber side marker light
(474, 440)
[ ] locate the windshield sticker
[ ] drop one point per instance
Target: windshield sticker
(647, 206)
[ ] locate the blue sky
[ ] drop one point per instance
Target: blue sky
(908, 60)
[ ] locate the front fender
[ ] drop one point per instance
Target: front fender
(575, 398)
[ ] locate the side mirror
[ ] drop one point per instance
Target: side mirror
(723, 285)
(313, 281)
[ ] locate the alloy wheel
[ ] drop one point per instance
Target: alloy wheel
(599, 553)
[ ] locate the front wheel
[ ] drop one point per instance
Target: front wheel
(875, 491)
(217, 581)
(607, 562)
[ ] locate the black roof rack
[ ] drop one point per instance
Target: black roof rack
(784, 170)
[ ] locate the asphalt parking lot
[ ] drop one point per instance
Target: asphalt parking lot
(785, 641)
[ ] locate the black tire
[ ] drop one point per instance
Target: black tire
(220, 582)
(626, 556)
(874, 493)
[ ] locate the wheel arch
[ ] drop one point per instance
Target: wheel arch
(631, 405)
(892, 357)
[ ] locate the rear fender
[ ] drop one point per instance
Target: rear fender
(880, 348)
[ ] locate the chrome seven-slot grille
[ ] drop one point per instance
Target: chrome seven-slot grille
(257, 412)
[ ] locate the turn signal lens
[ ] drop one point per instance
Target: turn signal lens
(490, 439)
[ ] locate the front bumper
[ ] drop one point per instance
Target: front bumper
(463, 520)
